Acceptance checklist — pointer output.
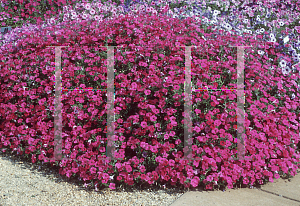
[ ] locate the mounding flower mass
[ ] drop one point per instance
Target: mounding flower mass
(149, 65)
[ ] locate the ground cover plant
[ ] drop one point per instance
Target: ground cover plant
(150, 119)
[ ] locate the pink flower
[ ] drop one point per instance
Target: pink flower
(120, 58)
(123, 84)
(128, 168)
(142, 168)
(209, 178)
(176, 87)
(154, 149)
(178, 141)
(171, 162)
(203, 65)
(153, 118)
(112, 186)
(157, 125)
(93, 170)
(144, 177)
(217, 123)
(156, 111)
(197, 129)
(147, 92)
(122, 138)
(172, 133)
(134, 85)
(144, 124)
(205, 96)
(151, 67)
(195, 181)
(271, 179)
(194, 147)
(151, 128)
(277, 176)
(198, 111)
(102, 149)
(209, 186)
(120, 121)
(246, 181)
(173, 123)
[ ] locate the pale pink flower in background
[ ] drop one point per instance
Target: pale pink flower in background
(73, 13)
(197, 171)
(96, 188)
(92, 11)
(96, 17)
(87, 6)
(84, 16)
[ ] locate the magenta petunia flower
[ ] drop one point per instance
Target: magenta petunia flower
(144, 124)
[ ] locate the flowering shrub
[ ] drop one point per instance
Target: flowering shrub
(149, 83)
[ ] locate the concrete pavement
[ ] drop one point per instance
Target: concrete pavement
(282, 192)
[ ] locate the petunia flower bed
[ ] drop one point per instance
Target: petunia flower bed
(149, 102)
(269, 20)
